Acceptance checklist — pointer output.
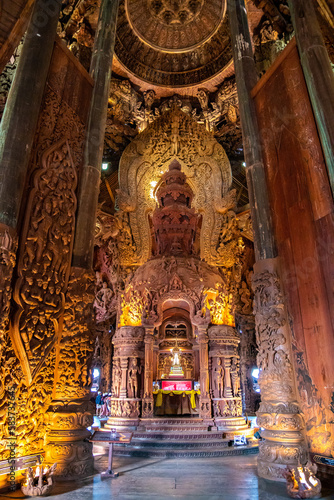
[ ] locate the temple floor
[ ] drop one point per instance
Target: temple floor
(227, 478)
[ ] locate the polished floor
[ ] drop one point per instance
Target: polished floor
(226, 478)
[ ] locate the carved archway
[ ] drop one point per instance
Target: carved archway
(175, 135)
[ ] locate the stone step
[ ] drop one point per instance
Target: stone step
(176, 436)
(207, 451)
(178, 428)
(173, 420)
(143, 444)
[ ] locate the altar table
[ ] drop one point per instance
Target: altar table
(175, 402)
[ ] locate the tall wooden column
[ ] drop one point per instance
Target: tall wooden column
(18, 124)
(103, 52)
(147, 405)
(284, 444)
(82, 276)
(318, 74)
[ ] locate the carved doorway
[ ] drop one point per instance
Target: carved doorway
(177, 365)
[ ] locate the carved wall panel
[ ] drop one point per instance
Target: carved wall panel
(44, 257)
(43, 266)
(102, 357)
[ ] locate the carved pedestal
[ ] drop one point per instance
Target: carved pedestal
(127, 377)
(67, 442)
(225, 377)
(279, 413)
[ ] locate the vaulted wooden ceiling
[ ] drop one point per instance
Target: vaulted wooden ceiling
(14, 16)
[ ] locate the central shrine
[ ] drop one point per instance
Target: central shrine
(176, 325)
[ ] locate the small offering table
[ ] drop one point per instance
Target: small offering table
(111, 437)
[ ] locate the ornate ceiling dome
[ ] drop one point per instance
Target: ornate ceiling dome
(173, 43)
(175, 25)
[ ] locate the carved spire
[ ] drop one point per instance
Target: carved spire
(174, 220)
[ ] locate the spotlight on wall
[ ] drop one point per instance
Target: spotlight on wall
(105, 166)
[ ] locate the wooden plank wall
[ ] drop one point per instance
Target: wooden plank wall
(302, 210)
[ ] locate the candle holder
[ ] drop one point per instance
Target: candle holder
(301, 481)
(39, 482)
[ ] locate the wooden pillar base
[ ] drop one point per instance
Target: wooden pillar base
(67, 439)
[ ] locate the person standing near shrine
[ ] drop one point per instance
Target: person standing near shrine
(98, 403)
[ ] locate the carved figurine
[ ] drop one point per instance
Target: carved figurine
(235, 377)
(117, 378)
(133, 373)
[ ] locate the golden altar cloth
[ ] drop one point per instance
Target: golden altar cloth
(180, 406)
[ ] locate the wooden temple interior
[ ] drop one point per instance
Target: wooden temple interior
(166, 227)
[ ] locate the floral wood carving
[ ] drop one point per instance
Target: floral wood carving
(44, 259)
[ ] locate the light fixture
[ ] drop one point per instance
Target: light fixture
(243, 163)
(105, 166)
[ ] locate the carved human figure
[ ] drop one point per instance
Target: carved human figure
(117, 378)
(218, 378)
(104, 295)
(134, 371)
(235, 379)
(245, 298)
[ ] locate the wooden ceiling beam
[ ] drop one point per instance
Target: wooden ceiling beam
(14, 37)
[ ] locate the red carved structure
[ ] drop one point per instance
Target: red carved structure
(174, 220)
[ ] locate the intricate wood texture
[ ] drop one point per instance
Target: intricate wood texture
(43, 269)
(302, 208)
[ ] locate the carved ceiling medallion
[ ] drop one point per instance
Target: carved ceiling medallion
(175, 26)
(175, 54)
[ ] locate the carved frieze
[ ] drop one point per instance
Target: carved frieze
(126, 408)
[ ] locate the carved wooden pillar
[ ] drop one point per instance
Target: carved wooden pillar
(147, 407)
(19, 120)
(279, 412)
(227, 381)
(67, 429)
(205, 399)
(225, 378)
(71, 412)
(124, 376)
(128, 353)
(318, 74)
